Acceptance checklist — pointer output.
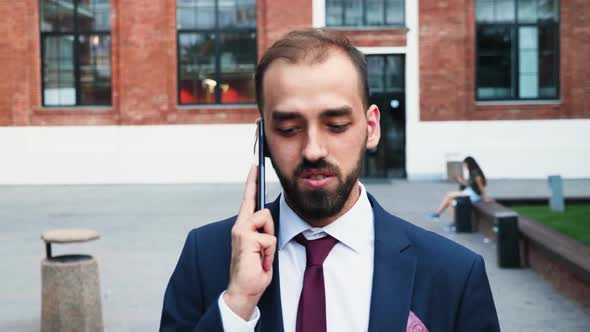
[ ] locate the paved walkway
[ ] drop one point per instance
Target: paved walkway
(143, 228)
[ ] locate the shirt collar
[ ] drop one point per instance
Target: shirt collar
(353, 229)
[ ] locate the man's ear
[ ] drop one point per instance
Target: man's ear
(373, 127)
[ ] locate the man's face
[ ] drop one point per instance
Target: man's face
(317, 132)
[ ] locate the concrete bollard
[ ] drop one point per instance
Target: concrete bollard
(556, 200)
(71, 297)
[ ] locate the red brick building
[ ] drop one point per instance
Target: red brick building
(96, 90)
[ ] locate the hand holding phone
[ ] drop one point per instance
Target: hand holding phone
(253, 243)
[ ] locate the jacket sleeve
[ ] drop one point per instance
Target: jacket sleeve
(184, 309)
(477, 311)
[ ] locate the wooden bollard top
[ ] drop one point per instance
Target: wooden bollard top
(69, 235)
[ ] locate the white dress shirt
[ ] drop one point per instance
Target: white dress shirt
(348, 270)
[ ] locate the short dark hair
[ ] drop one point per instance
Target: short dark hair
(311, 45)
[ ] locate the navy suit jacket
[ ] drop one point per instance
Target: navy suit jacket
(443, 283)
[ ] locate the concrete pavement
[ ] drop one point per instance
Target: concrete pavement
(143, 228)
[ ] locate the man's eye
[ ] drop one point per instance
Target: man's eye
(338, 128)
(287, 131)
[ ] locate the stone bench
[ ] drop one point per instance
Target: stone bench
(70, 285)
(560, 259)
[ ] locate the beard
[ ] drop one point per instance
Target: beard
(314, 204)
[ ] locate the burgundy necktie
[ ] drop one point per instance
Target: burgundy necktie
(311, 312)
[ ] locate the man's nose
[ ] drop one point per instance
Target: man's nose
(314, 149)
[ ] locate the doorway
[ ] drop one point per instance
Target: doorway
(387, 91)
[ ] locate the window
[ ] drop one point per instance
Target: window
(517, 49)
(385, 73)
(75, 52)
(217, 51)
(364, 13)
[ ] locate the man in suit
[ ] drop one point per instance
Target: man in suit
(324, 256)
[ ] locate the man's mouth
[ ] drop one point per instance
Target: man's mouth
(317, 178)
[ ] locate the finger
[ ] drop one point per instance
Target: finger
(262, 220)
(249, 198)
(268, 244)
(269, 256)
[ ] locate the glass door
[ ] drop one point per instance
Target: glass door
(387, 91)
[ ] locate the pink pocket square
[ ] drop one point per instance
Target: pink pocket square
(415, 324)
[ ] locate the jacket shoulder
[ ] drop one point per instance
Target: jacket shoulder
(213, 230)
(440, 253)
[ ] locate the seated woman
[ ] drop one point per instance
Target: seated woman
(475, 188)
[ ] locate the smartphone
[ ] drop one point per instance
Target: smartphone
(260, 185)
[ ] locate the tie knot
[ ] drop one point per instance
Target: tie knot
(316, 251)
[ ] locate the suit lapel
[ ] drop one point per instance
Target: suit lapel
(393, 278)
(393, 273)
(271, 312)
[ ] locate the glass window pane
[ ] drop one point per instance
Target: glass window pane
(504, 11)
(58, 70)
(394, 12)
(375, 12)
(334, 12)
(95, 69)
(394, 76)
(57, 15)
(195, 14)
(94, 15)
(528, 85)
(548, 73)
(484, 10)
(527, 11)
(238, 63)
(353, 13)
(494, 63)
(375, 72)
(528, 77)
(185, 14)
(528, 62)
(528, 37)
(237, 13)
(548, 10)
(197, 68)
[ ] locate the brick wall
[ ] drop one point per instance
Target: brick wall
(277, 17)
(144, 64)
(19, 59)
(447, 65)
(377, 38)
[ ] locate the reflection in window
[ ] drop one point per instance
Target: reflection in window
(217, 51)
(517, 49)
(494, 68)
(358, 13)
(95, 69)
(237, 67)
(76, 52)
(385, 73)
(197, 66)
(58, 70)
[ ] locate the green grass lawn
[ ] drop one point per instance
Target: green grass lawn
(573, 222)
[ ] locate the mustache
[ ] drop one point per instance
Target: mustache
(322, 164)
